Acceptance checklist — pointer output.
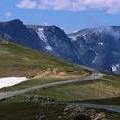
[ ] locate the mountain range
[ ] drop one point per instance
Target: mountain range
(97, 48)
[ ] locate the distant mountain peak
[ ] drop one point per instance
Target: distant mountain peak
(12, 22)
(17, 21)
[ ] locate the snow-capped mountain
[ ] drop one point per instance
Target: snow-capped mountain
(97, 48)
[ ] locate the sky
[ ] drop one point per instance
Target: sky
(70, 15)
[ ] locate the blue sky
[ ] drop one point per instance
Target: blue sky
(71, 15)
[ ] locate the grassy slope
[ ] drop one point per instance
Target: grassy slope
(99, 91)
(18, 108)
(30, 111)
(16, 60)
(113, 80)
(84, 91)
(20, 61)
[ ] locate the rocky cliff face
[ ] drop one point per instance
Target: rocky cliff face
(97, 48)
(56, 42)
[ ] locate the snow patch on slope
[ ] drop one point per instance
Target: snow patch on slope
(10, 81)
(73, 38)
(42, 36)
(100, 43)
(49, 48)
(115, 68)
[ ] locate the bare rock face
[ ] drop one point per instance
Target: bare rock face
(99, 48)
(56, 42)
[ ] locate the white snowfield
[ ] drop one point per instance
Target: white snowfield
(10, 81)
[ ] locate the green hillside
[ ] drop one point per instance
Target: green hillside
(41, 68)
(16, 60)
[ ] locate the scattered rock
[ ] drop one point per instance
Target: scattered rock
(38, 99)
(76, 112)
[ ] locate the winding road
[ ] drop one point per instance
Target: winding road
(113, 108)
(5, 95)
(94, 76)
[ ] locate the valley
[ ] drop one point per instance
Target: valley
(56, 78)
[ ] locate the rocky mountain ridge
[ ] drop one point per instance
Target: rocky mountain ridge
(93, 47)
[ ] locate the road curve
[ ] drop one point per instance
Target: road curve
(5, 95)
(94, 76)
(113, 108)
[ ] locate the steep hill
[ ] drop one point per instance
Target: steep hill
(16, 60)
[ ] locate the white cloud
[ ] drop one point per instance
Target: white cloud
(8, 14)
(110, 6)
(73, 5)
(27, 4)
